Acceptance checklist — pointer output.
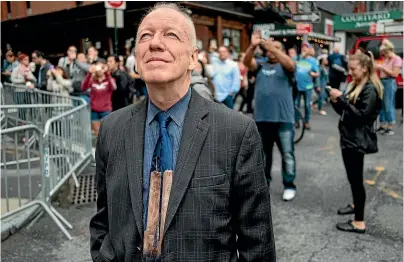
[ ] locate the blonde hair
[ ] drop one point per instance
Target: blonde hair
(386, 46)
(183, 12)
(365, 61)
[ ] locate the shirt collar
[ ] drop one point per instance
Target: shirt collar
(176, 112)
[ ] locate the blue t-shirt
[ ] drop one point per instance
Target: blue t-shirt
(304, 66)
(273, 95)
(336, 59)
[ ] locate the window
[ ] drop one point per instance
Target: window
(29, 11)
(231, 36)
(9, 9)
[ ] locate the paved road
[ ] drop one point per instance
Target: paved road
(304, 228)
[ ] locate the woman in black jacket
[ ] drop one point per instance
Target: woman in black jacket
(359, 108)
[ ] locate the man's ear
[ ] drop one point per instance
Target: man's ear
(193, 60)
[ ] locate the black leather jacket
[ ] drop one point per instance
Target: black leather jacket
(357, 122)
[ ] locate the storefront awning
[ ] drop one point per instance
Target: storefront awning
(360, 22)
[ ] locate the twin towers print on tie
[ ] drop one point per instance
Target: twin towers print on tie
(161, 178)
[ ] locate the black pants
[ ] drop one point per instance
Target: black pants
(353, 162)
(243, 94)
(336, 78)
(250, 97)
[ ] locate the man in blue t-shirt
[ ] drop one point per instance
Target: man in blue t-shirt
(306, 70)
(274, 108)
(338, 65)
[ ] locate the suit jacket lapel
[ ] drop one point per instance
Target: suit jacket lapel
(193, 136)
(134, 148)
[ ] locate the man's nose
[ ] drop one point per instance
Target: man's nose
(157, 42)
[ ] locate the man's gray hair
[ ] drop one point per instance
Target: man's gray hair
(179, 9)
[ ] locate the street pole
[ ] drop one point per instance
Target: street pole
(305, 38)
(116, 32)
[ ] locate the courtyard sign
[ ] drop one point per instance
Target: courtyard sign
(362, 21)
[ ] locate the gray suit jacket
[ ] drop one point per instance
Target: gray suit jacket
(219, 189)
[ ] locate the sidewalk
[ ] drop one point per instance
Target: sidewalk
(304, 228)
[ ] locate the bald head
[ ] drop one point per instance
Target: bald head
(159, 7)
(336, 49)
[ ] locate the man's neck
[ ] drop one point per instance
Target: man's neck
(43, 62)
(164, 96)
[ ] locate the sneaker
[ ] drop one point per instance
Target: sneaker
(307, 126)
(323, 113)
(381, 130)
(289, 194)
(297, 125)
(388, 132)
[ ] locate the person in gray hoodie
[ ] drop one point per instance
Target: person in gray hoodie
(200, 84)
(75, 69)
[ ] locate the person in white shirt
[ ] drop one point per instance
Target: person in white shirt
(226, 78)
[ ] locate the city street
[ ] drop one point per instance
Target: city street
(304, 228)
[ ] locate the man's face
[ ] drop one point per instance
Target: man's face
(163, 52)
(92, 52)
(305, 50)
(277, 45)
(10, 58)
(111, 64)
(71, 52)
(223, 53)
(35, 58)
(292, 52)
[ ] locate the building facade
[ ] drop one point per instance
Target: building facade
(52, 26)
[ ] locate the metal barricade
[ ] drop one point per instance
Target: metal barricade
(68, 147)
(22, 105)
(22, 177)
(49, 141)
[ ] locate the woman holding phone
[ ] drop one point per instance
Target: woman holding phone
(359, 108)
(101, 85)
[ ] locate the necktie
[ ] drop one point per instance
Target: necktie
(159, 189)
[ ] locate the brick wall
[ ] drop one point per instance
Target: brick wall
(19, 8)
(43, 7)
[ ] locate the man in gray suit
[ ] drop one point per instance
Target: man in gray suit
(179, 178)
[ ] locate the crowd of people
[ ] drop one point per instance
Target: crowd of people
(276, 80)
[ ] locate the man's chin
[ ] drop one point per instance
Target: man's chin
(157, 78)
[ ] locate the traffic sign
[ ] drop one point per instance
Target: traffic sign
(303, 29)
(314, 17)
(121, 5)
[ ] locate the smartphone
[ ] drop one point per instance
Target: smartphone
(328, 88)
(265, 34)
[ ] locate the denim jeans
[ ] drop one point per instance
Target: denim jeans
(282, 134)
(321, 97)
(388, 112)
(307, 107)
(229, 101)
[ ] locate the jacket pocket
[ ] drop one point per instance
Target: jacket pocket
(107, 252)
(208, 181)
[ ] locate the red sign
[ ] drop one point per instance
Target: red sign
(303, 29)
(115, 5)
(372, 29)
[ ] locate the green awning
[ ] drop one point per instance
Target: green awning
(360, 22)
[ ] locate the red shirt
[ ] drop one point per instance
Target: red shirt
(101, 92)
